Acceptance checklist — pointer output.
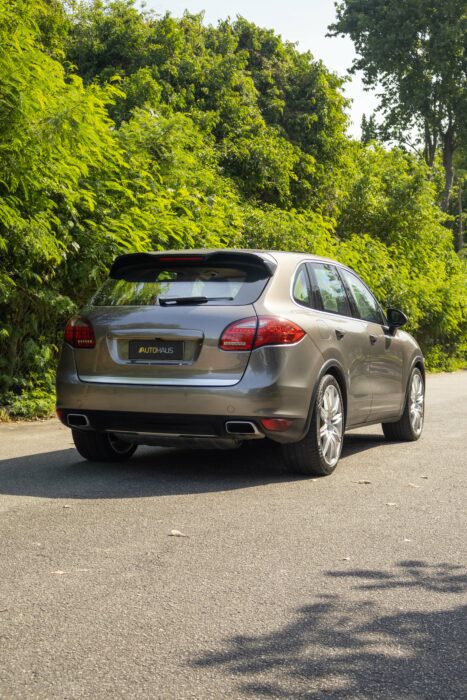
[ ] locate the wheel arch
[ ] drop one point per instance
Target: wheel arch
(334, 368)
(338, 373)
(419, 363)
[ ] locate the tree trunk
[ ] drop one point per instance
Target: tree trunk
(448, 153)
(430, 145)
(460, 228)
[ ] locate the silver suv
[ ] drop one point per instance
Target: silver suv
(213, 348)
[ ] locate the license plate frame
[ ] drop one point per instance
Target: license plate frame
(156, 350)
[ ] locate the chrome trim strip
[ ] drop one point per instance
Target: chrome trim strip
(155, 434)
(172, 381)
(159, 333)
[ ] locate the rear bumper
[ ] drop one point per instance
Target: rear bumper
(164, 425)
(278, 383)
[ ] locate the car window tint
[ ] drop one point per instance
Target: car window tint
(301, 288)
(367, 306)
(331, 289)
(145, 286)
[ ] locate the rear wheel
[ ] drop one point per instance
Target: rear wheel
(102, 447)
(410, 425)
(319, 451)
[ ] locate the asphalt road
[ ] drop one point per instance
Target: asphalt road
(351, 586)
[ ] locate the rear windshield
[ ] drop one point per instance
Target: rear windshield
(213, 285)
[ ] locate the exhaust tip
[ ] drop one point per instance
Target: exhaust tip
(242, 427)
(77, 420)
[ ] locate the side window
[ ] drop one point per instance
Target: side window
(301, 291)
(332, 291)
(367, 306)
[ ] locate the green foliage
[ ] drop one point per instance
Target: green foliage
(275, 229)
(276, 114)
(74, 192)
(369, 127)
(54, 134)
(421, 63)
(415, 52)
(169, 134)
(30, 400)
(392, 232)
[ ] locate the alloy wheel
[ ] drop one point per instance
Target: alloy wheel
(417, 402)
(331, 425)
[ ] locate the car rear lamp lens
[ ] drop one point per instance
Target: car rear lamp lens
(277, 331)
(251, 333)
(239, 335)
(180, 258)
(275, 424)
(79, 333)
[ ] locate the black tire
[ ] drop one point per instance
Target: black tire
(101, 447)
(306, 455)
(403, 430)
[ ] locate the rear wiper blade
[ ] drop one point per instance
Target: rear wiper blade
(185, 301)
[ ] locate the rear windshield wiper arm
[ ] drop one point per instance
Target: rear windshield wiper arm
(178, 301)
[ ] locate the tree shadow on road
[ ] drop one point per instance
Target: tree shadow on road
(154, 471)
(384, 646)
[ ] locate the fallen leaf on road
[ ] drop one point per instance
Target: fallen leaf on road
(177, 533)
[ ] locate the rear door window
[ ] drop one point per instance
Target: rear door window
(330, 289)
(211, 285)
(366, 305)
(301, 290)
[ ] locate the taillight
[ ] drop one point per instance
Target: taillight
(277, 331)
(251, 333)
(79, 333)
(239, 335)
(181, 258)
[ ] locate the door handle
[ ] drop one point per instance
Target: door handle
(339, 334)
(373, 339)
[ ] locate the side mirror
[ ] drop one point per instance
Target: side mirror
(396, 318)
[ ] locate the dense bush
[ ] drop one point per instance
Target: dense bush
(120, 131)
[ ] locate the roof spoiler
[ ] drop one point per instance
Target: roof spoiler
(125, 264)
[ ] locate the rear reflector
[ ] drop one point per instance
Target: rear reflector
(275, 424)
(251, 333)
(79, 333)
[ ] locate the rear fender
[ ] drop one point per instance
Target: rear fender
(330, 367)
(416, 361)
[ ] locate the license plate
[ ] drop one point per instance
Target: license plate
(155, 350)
